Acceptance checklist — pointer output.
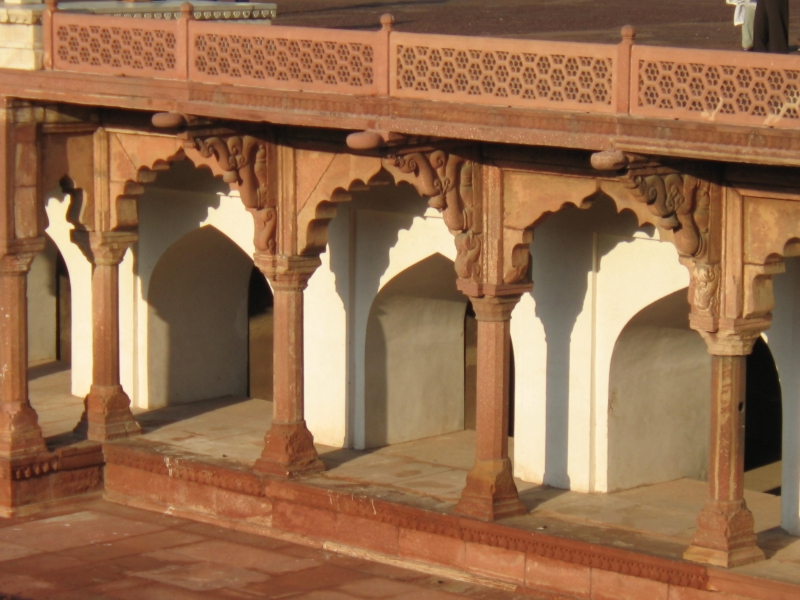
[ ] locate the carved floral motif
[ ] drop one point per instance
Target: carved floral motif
(244, 161)
(448, 180)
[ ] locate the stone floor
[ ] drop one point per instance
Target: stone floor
(662, 515)
(684, 23)
(96, 550)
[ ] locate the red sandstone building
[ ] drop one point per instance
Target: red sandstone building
(499, 138)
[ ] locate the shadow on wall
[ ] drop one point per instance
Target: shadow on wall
(361, 240)
(198, 320)
(49, 307)
(564, 255)
(415, 356)
(659, 398)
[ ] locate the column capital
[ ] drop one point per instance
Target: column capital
(287, 272)
(493, 302)
(17, 256)
(735, 338)
(106, 248)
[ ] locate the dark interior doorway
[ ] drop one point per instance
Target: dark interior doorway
(763, 422)
(260, 329)
(63, 312)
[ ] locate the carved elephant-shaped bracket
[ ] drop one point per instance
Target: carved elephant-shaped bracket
(245, 163)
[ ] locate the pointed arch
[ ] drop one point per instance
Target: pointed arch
(415, 355)
(197, 320)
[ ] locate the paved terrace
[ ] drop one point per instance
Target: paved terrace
(429, 474)
(680, 23)
(95, 550)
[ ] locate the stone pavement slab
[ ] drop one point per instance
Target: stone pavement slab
(95, 550)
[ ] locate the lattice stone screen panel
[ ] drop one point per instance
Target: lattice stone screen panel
(288, 58)
(529, 74)
(117, 46)
(723, 87)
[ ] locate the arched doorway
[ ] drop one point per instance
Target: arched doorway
(659, 398)
(198, 320)
(763, 422)
(415, 356)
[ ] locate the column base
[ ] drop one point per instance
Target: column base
(20, 434)
(490, 493)
(107, 415)
(725, 536)
(289, 451)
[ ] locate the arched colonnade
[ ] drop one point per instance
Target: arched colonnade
(490, 204)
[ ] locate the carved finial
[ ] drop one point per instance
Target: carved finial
(168, 120)
(628, 33)
(387, 22)
(371, 139)
(609, 160)
(187, 10)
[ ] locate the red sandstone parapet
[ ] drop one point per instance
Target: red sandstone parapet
(687, 84)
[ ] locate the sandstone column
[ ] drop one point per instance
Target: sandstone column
(22, 224)
(107, 414)
(288, 445)
(725, 533)
(490, 492)
(20, 434)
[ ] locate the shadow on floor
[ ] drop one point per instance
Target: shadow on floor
(154, 419)
(43, 370)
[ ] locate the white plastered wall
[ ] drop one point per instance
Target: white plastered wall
(380, 234)
(784, 343)
(659, 401)
(80, 276)
(593, 271)
(166, 216)
(414, 372)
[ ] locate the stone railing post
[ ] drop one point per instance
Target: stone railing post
(288, 445)
(490, 492)
(107, 414)
(625, 75)
(725, 533)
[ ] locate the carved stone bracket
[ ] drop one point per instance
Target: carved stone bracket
(447, 179)
(245, 163)
(680, 201)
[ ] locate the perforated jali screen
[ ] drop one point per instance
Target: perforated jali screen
(726, 87)
(286, 58)
(115, 45)
(504, 72)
